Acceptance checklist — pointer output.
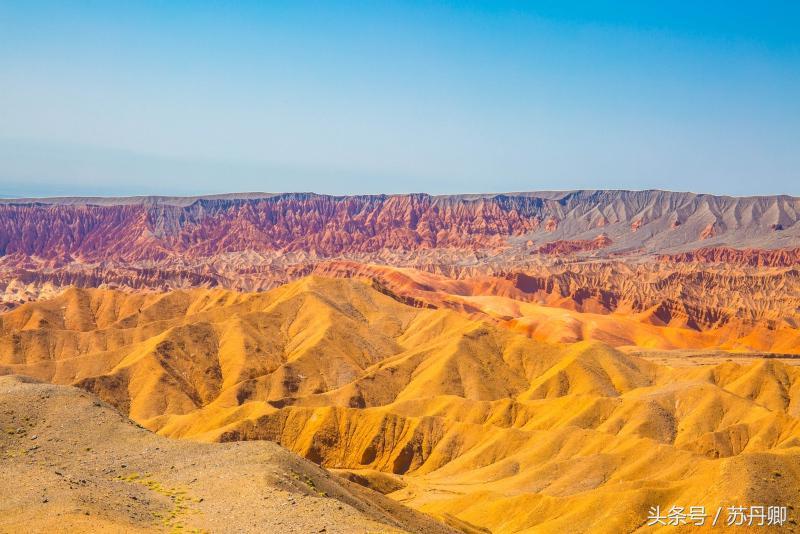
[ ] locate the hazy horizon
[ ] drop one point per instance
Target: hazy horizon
(256, 194)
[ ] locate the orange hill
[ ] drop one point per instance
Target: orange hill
(473, 423)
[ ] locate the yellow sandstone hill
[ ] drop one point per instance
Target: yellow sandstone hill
(474, 423)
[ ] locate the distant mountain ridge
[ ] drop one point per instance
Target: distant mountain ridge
(152, 228)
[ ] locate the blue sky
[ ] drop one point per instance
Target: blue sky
(382, 97)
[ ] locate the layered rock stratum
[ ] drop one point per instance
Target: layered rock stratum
(615, 222)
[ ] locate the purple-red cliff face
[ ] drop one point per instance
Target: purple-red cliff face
(323, 225)
(155, 229)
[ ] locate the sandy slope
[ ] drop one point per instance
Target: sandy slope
(71, 463)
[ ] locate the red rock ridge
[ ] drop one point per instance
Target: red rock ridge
(752, 257)
(565, 247)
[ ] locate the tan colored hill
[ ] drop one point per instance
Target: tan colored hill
(472, 422)
(71, 463)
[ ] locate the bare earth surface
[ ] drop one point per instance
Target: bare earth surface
(71, 463)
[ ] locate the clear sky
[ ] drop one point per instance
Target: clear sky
(112, 98)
